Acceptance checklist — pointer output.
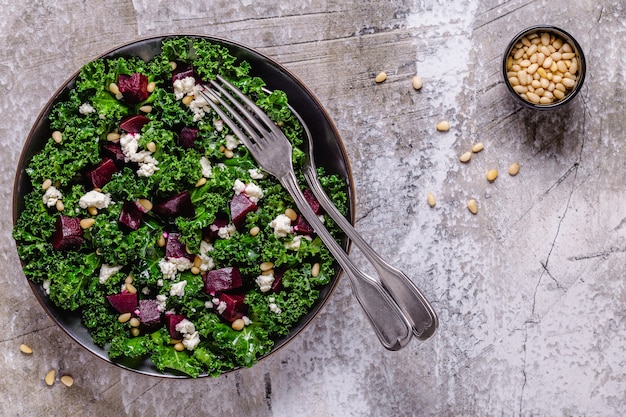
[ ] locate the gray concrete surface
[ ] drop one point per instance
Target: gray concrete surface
(530, 290)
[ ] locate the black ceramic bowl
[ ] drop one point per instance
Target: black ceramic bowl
(329, 153)
(521, 90)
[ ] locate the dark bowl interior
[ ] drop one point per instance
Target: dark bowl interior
(329, 153)
(577, 50)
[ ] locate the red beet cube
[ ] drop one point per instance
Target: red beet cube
(187, 137)
(235, 306)
(303, 227)
(133, 124)
(313, 202)
(277, 285)
(174, 248)
(171, 320)
(175, 206)
(240, 205)
(102, 173)
(149, 314)
(124, 302)
(183, 71)
(222, 280)
(113, 151)
(134, 87)
(67, 233)
(215, 227)
(131, 215)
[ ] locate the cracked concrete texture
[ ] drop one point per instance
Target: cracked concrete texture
(530, 291)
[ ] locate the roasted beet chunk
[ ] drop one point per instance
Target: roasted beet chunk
(315, 205)
(277, 285)
(174, 248)
(134, 88)
(235, 307)
(124, 302)
(302, 227)
(240, 205)
(183, 71)
(222, 280)
(67, 233)
(220, 221)
(171, 320)
(102, 173)
(149, 314)
(113, 151)
(133, 124)
(131, 215)
(187, 137)
(175, 206)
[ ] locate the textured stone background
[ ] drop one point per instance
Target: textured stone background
(530, 291)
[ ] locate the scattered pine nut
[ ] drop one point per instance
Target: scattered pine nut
(145, 109)
(50, 377)
(492, 174)
(124, 317)
(67, 380)
(200, 182)
(26, 349)
(238, 325)
(46, 184)
(151, 146)
(465, 157)
(145, 203)
(430, 198)
(92, 210)
(128, 279)
(416, 82)
(87, 223)
(315, 270)
(195, 270)
(382, 76)
(151, 87)
(59, 205)
(161, 241)
(187, 100)
(228, 153)
(113, 88)
(57, 136)
(293, 216)
(514, 169)
(443, 126)
(179, 347)
(266, 266)
(134, 322)
(135, 331)
(113, 136)
(173, 65)
(478, 147)
(131, 288)
(255, 230)
(472, 206)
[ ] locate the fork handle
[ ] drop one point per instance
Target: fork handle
(409, 298)
(391, 326)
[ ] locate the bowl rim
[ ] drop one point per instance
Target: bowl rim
(32, 138)
(579, 53)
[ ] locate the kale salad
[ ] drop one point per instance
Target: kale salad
(149, 219)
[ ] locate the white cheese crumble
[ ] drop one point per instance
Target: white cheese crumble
(182, 264)
(184, 87)
(51, 196)
(107, 271)
(221, 307)
(161, 302)
(46, 285)
(246, 320)
(178, 289)
(219, 124)
(130, 148)
(265, 282)
(86, 108)
(227, 231)
(231, 142)
(208, 304)
(281, 225)
(257, 174)
(207, 261)
(273, 307)
(296, 241)
(168, 269)
(207, 169)
(95, 199)
(191, 338)
(251, 190)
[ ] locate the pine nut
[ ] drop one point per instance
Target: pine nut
(443, 126)
(67, 380)
(46, 184)
(478, 147)
(113, 137)
(26, 349)
(293, 216)
(472, 206)
(57, 136)
(255, 231)
(187, 100)
(492, 174)
(266, 266)
(200, 182)
(145, 203)
(87, 223)
(131, 288)
(382, 76)
(465, 157)
(173, 65)
(514, 169)
(194, 270)
(114, 89)
(128, 279)
(151, 146)
(50, 377)
(315, 270)
(161, 241)
(228, 153)
(135, 331)
(197, 261)
(430, 199)
(238, 324)
(134, 322)
(124, 317)
(151, 87)
(145, 109)
(416, 82)
(179, 347)
(59, 205)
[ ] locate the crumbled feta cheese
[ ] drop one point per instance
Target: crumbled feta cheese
(192, 340)
(231, 142)
(182, 264)
(281, 225)
(178, 289)
(130, 148)
(265, 282)
(221, 307)
(168, 269)
(46, 285)
(207, 261)
(296, 241)
(51, 196)
(148, 167)
(86, 108)
(227, 231)
(246, 320)
(200, 107)
(183, 87)
(159, 282)
(257, 174)
(239, 186)
(254, 192)
(185, 326)
(107, 271)
(95, 199)
(215, 301)
(207, 169)
(274, 308)
(145, 291)
(161, 302)
(208, 304)
(219, 124)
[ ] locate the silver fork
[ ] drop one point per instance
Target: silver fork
(273, 152)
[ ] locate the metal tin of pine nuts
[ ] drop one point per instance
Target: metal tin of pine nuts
(530, 99)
